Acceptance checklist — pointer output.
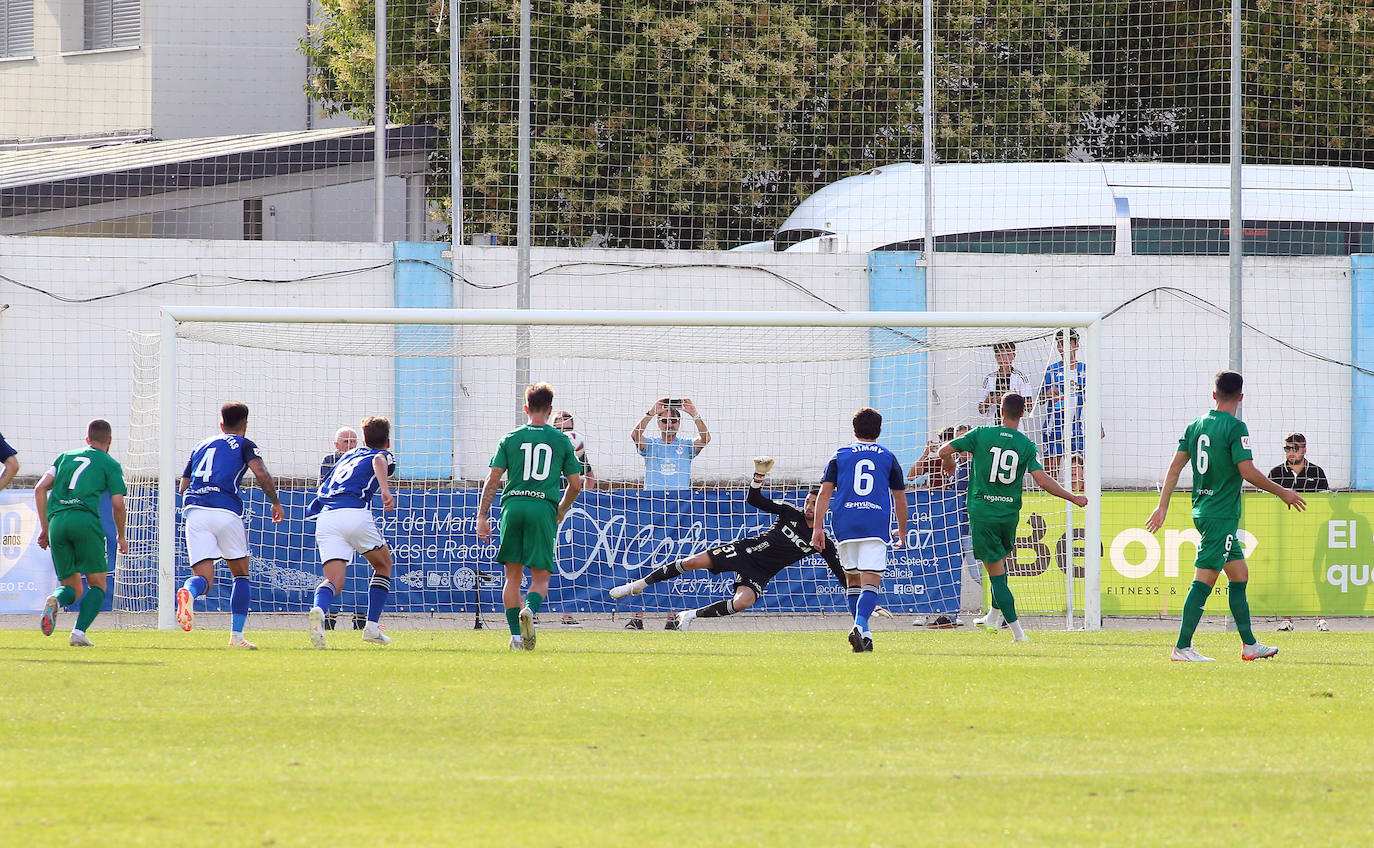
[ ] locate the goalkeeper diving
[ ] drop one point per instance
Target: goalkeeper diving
(755, 560)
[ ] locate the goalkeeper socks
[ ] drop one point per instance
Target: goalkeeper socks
(1002, 599)
(377, 590)
(90, 607)
(663, 572)
(534, 601)
(868, 600)
(324, 596)
(66, 596)
(513, 621)
(851, 599)
(1192, 613)
(1240, 611)
(240, 596)
(196, 585)
(716, 610)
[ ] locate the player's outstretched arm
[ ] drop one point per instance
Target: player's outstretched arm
(484, 505)
(1156, 519)
(1043, 479)
(569, 495)
(269, 488)
(1252, 475)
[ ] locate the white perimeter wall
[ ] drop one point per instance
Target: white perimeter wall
(66, 363)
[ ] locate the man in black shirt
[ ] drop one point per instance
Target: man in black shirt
(1296, 472)
(755, 560)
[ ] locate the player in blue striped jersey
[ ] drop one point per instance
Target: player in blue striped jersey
(345, 524)
(863, 487)
(213, 510)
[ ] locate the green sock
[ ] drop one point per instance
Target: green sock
(1240, 611)
(513, 620)
(534, 601)
(90, 607)
(65, 595)
(1002, 599)
(1192, 613)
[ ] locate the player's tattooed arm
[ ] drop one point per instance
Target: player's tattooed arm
(269, 488)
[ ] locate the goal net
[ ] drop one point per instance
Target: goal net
(738, 386)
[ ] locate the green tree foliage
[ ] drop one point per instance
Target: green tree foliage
(702, 124)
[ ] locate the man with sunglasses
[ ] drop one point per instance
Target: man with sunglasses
(668, 459)
(1295, 472)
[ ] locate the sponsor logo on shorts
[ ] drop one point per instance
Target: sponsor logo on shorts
(999, 498)
(526, 493)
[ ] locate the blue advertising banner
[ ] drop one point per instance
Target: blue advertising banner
(609, 537)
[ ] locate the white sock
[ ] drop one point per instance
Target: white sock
(994, 618)
(1017, 634)
(76, 632)
(868, 634)
(518, 639)
(235, 634)
(686, 616)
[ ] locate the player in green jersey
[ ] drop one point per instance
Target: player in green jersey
(68, 500)
(1002, 456)
(533, 458)
(1218, 447)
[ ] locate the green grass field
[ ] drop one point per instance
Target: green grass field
(649, 739)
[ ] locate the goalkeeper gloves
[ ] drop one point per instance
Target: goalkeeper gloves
(762, 465)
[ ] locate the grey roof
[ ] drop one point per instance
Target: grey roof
(34, 181)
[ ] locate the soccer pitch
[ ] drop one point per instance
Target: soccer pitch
(699, 738)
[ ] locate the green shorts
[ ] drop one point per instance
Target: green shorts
(993, 541)
(528, 533)
(77, 543)
(1219, 543)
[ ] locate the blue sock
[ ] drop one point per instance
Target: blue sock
(377, 590)
(868, 600)
(324, 595)
(851, 599)
(239, 598)
(196, 585)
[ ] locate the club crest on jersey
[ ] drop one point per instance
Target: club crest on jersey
(1245, 442)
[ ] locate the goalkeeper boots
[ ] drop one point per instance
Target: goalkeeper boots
(527, 627)
(373, 635)
(49, 619)
(1189, 654)
(186, 615)
(1257, 652)
(627, 589)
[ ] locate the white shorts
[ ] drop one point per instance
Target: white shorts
(863, 555)
(213, 534)
(340, 532)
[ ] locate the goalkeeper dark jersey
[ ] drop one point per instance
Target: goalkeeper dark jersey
(786, 542)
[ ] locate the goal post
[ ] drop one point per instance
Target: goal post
(599, 358)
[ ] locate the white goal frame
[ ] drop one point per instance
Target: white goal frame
(1089, 322)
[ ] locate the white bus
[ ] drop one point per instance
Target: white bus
(1143, 209)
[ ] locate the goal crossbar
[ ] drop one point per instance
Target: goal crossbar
(172, 316)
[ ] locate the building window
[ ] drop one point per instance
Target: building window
(112, 23)
(16, 28)
(252, 219)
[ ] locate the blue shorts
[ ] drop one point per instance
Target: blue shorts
(1052, 435)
